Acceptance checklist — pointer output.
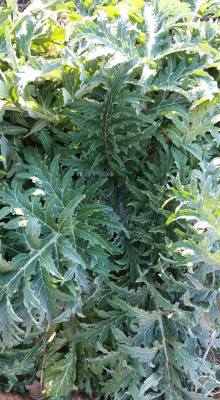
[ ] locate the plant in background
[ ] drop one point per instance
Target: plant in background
(109, 268)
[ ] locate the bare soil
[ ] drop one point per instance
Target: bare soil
(22, 4)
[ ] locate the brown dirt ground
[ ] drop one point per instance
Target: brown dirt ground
(21, 3)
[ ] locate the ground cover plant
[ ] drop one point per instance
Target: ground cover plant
(110, 198)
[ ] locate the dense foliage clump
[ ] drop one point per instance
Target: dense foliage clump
(110, 198)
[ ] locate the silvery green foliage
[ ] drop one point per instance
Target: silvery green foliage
(109, 268)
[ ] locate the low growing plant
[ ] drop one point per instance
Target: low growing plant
(110, 198)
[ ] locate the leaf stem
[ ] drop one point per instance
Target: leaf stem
(213, 336)
(37, 254)
(166, 354)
